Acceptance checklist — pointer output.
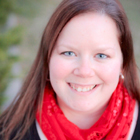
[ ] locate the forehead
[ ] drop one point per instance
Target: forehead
(88, 25)
(89, 32)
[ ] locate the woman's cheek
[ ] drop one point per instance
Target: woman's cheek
(59, 68)
(110, 71)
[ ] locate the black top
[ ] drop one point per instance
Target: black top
(32, 133)
(136, 135)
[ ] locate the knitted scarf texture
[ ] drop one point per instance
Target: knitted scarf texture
(114, 124)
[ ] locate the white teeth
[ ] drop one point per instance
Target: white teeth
(72, 87)
(84, 89)
(80, 89)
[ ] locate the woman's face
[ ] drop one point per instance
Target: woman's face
(86, 63)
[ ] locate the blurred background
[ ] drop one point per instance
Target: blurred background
(21, 26)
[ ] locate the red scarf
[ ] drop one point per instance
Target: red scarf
(114, 124)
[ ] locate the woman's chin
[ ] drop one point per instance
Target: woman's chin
(81, 108)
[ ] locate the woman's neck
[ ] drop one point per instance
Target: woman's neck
(84, 120)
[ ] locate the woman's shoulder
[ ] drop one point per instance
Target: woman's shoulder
(31, 134)
(136, 134)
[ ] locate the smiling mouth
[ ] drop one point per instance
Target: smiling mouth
(82, 88)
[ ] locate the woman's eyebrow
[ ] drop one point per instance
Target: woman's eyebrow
(104, 48)
(68, 46)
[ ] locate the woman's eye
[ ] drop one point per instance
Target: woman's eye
(69, 53)
(101, 56)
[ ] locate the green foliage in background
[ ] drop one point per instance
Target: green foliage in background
(8, 37)
(28, 8)
(6, 6)
(13, 36)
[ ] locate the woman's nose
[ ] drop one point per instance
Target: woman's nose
(84, 69)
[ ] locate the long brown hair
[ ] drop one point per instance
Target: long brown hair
(21, 113)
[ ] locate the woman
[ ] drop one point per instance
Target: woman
(83, 84)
